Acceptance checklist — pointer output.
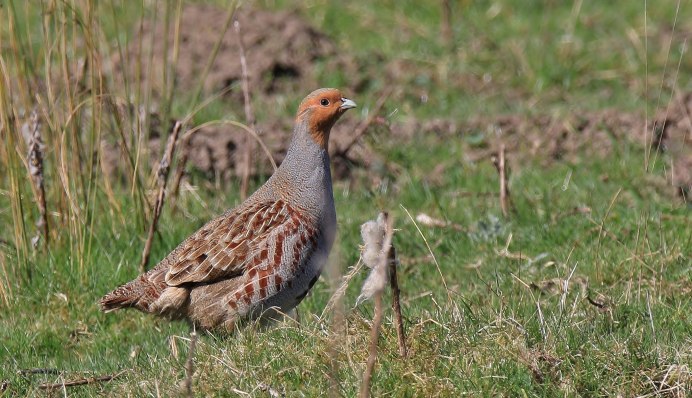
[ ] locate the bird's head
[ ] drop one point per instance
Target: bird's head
(320, 110)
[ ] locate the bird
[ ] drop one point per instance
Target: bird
(260, 259)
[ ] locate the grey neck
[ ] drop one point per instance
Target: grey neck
(306, 167)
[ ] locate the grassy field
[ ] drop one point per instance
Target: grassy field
(609, 228)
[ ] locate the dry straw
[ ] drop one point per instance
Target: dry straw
(162, 177)
(31, 131)
(248, 144)
(379, 255)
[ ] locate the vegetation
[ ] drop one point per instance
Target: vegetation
(585, 288)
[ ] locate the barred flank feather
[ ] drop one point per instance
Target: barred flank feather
(139, 293)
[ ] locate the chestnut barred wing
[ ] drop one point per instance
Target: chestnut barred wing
(260, 237)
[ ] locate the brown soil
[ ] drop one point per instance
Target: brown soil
(281, 51)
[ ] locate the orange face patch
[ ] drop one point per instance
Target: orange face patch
(322, 108)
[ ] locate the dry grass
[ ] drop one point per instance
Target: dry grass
(582, 290)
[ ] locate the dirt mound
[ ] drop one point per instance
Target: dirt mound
(571, 137)
(281, 51)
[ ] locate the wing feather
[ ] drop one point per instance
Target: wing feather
(224, 247)
(276, 261)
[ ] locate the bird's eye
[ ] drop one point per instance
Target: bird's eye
(324, 102)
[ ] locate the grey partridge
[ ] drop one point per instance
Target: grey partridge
(262, 257)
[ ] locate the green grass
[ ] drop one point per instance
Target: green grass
(54, 323)
(552, 55)
(623, 327)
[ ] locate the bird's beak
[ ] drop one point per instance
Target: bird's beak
(347, 104)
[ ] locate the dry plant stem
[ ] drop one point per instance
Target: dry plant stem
(455, 307)
(121, 117)
(164, 168)
(248, 144)
(372, 349)
(333, 372)
(437, 264)
(5, 285)
(337, 328)
(189, 365)
(377, 320)
(10, 166)
(80, 382)
(446, 24)
(180, 169)
(169, 76)
(604, 231)
(35, 160)
(338, 295)
(396, 304)
(502, 171)
(39, 371)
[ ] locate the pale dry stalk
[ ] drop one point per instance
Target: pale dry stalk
(377, 319)
(190, 366)
(32, 134)
(446, 24)
(396, 303)
(339, 293)
(5, 285)
(337, 330)
(372, 349)
(500, 164)
(180, 168)
(162, 177)
(81, 382)
(248, 143)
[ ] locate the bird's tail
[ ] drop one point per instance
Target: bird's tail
(139, 293)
